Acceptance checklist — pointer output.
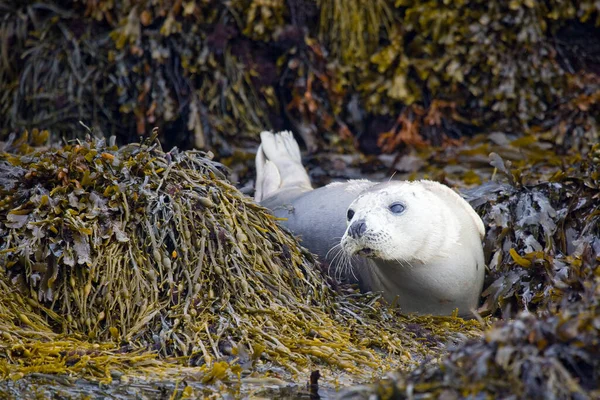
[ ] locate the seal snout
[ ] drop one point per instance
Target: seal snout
(357, 229)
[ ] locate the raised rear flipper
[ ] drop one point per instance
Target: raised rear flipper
(279, 165)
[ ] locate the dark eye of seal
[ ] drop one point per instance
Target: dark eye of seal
(397, 208)
(350, 214)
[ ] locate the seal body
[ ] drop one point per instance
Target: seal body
(418, 243)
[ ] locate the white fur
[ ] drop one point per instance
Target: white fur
(427, 228)
(432, 256)
(352, 185)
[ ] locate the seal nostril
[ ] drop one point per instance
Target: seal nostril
(357, 229)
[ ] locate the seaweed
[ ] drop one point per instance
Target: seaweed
(211, 75)
(131, 260)
(529, 357)
(543, 237)
(124, 68)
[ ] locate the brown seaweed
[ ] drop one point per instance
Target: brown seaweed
(211, 75)
(529, 357)
(543, 237)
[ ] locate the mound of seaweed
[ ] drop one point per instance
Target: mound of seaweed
(138, 251)
(212, 73)
(543, 237)
(543, 243)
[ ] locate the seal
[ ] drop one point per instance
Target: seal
(418, 243)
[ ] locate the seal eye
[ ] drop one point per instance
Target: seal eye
(397, 208)
(350, 214)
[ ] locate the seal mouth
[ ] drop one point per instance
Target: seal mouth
(366, 252)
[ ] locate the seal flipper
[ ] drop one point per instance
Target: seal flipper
(279, 165)
(268, 179)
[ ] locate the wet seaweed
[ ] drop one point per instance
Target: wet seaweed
(209, 73)
(555, 356)
(543, 238)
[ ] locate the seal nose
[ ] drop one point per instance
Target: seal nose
(357, 229)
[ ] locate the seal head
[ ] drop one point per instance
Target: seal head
(406, 222)
(424, 241)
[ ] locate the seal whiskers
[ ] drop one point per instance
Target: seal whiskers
(341, 263)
